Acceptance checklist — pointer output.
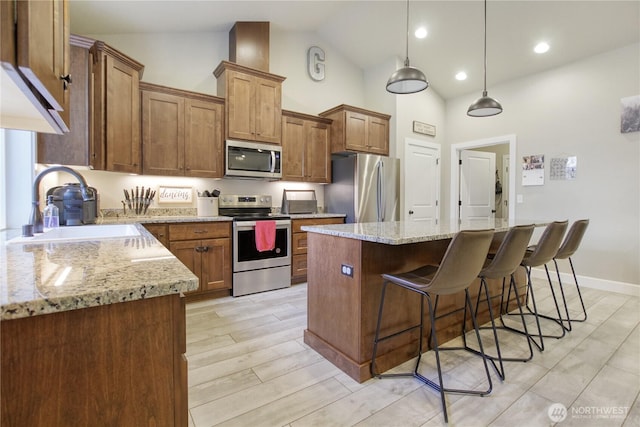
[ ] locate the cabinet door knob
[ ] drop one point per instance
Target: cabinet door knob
(66, 81)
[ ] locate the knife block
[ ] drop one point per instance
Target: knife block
(207, 206)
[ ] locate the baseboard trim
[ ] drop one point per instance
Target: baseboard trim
(591, 282)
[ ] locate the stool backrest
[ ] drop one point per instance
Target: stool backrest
(462, 262)
(573, 239)
(510, 253)
(548, 244)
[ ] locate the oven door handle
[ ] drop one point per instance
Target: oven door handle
(248, 225)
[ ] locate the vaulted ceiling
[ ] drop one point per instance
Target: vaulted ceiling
(371, 32)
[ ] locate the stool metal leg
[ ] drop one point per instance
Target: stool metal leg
(566, 307)
(435, 346)
(559, 320)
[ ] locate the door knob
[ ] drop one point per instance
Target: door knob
(410, 212)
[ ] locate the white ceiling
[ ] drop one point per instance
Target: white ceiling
(371, 32)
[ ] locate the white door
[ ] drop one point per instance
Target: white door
(477, 185)
(421, 181)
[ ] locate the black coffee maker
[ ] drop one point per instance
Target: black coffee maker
(73, 209)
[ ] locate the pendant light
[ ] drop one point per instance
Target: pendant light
(485, 106)
(407, 79)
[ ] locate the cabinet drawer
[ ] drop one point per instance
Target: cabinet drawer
(199, 230)
(299, 268)
(297, 224)
(299, 243)
(159, 231)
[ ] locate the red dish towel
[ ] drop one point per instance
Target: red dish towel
(265, 235)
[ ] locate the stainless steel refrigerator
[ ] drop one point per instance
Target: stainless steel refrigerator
(364, 186)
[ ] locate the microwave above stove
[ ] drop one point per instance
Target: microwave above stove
(253, 160)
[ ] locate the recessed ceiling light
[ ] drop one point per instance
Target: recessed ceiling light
(421, 33)
(461, 76)
(541, 47)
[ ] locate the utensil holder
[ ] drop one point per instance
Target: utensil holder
(207, 206)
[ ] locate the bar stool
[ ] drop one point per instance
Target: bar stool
(567, 249)
(504, 264)
(540, 254)
(459, 267)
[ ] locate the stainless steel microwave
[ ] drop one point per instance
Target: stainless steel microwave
(253, 160)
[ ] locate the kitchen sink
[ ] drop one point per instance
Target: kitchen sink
(83, 232)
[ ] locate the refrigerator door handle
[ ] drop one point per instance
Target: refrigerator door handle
(380, 191)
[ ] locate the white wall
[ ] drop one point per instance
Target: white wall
(574, 110)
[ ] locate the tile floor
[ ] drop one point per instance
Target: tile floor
(249, 366)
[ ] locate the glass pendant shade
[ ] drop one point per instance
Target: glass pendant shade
(484, 107)
(406, 80)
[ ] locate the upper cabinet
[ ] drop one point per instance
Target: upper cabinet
(254, 103)
(359, 130)
(76, 147)
(34, 54)
(116, 110)
(306, 148)
(182, 132)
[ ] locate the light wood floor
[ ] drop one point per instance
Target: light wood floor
(249, 366)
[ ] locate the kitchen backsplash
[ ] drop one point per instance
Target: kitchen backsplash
(110, 187)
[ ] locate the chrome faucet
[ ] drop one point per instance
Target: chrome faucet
(36, 216)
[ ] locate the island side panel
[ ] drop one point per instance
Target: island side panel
(114, 363)
(342, 311)
(333, 299)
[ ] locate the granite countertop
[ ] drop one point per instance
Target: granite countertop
(42, 278)
(192, 218)
(317, 215)
(401, 232)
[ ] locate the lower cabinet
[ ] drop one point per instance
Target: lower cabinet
(299, 245)
(205, 248)
(121, 364)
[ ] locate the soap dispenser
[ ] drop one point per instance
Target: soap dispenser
(51, 215)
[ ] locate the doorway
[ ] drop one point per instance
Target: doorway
(456, 150)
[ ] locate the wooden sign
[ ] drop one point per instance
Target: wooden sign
(424, 128)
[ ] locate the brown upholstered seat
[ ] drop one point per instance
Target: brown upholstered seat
(567, 249)
(459, 267)
(504, 264)
(540, 254)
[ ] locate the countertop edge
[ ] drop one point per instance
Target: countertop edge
(139, 288)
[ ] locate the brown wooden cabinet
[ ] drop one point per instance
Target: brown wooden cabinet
(359, 130)
(116, 110)
(205, 248)
(121, 364)
(254, 103)
(182, 132)
(299, 245)
(34, 53)
(305, 148)
(74, 148)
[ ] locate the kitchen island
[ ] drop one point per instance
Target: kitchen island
(345, 263)
(93, 332)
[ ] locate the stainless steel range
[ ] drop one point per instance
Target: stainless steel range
(255, 270)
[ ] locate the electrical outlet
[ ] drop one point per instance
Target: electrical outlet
(347, 270)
